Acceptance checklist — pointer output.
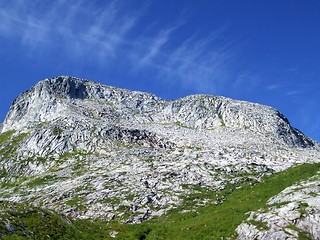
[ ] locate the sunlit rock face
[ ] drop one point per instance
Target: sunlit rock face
(67, 96)
(114, 151)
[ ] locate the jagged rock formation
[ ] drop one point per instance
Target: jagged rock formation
(94, 151)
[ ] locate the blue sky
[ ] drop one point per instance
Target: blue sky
(265, 51)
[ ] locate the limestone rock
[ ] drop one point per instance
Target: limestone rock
(71, 97)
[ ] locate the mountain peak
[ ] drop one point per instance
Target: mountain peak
(66, 96)
(65, 86)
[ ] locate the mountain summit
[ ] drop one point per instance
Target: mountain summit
(100, 152)
(64, 96)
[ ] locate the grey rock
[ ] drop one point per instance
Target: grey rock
(113, 234)
(63, 96)
(11, 228)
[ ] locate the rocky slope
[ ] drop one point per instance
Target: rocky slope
(294, 211)
(94, 151)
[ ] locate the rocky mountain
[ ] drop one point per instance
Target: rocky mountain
(92, 151)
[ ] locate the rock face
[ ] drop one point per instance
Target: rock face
(94, 151)
(65, 96)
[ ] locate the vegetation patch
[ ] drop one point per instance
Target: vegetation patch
(24, 222)
(10, 149)
(8, 184)
(57, 131)
(259, 225)
(6, 136)
(178, 123)
(305, 236)
(43, 180)
(40, 181)
(76, 202)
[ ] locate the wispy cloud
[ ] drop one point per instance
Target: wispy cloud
(245, 81)
(76, 25)
(291, 93)
(153, 48)
(197, 61)
(273, 87)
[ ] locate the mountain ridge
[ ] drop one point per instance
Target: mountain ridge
(73, 88)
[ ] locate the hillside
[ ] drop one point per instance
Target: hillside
(120, 157)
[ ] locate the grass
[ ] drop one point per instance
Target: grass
(40, 181)
(259, 225)
(6, 136)
(9, 184)
(36, 223)
(14, 142)
(75, 202)
(305, 236)
(222, 122)
(178, 123)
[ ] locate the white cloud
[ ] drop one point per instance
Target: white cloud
(75, 25)
(198, 60)
(193, 63)
(291, 93)
(154, 47)
(273, 87)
